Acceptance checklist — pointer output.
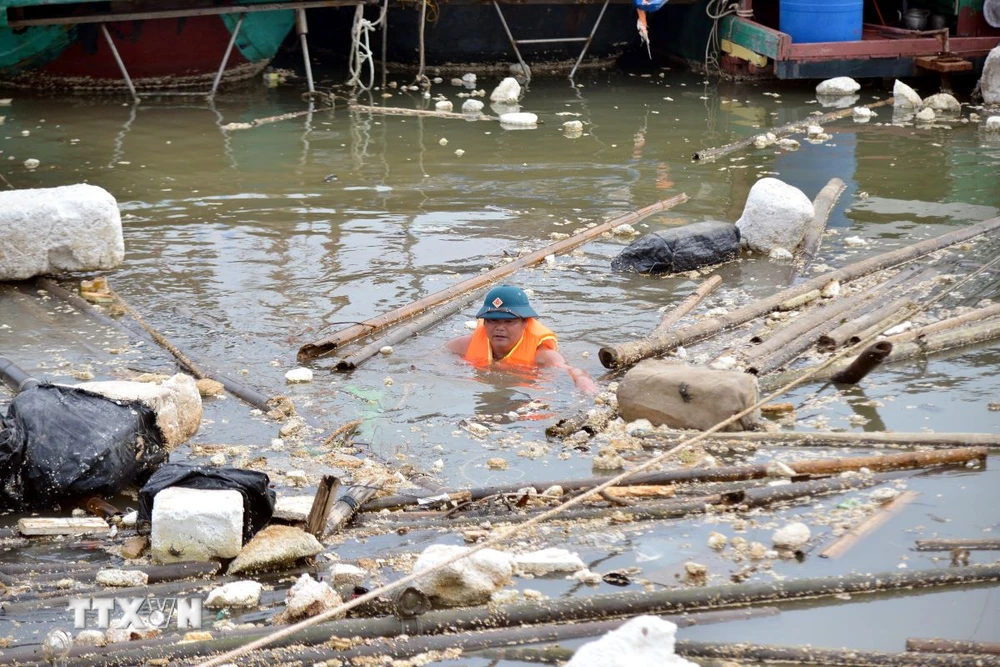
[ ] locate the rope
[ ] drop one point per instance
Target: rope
(361, 50)
(519, 528)
(716, 10)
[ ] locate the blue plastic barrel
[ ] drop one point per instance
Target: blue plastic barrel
(809, 21)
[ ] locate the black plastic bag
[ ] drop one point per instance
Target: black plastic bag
(60, 443)
(680, 249)
(258, 497)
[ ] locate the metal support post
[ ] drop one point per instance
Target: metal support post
(225, 58)
(513, 42)
(303, 29)
(118, 59)
(589, 39)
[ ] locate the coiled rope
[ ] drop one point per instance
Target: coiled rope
(361, 51)
(716, 10)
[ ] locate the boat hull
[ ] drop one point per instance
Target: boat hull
(158, 53)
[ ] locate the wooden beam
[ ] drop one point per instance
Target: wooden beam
(756, 37)
(90, 525)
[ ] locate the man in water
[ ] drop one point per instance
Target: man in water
(508, 333)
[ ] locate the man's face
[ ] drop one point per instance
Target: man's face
(504, 334)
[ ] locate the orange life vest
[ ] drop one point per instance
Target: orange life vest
(535, 335)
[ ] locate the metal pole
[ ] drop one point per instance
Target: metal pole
(225, 58)
(589, 39)
(303, 29)
(118, 59)
(513, 42)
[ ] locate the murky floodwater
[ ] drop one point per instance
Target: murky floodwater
(242, 245)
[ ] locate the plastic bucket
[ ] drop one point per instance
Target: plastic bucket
(809, 21)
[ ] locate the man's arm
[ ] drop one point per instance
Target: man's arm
(548, 358)
(459, 345)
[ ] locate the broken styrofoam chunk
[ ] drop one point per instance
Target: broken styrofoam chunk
(573, 128)
(899, 328)
(792, 536)
(459, 152)
(176, 402)
(297, 375)
(443, 105)
(297, 477)
(992, 124)
(814, 130)
(342, 574)
(840, 85)
(292, 508)
(90, 638)
(926, 115)
(862, 114)
(55, 230)
(196, 524)
(780, 255)
(386, 350)
(855, 242)
(548, 561)
(724, 363)
(509, 91)
(121, 578)
(643, 640)
(31, 163)
(904, 96)
(696, 569)
(442, 141)
(307, 598)
(235, 594)
(788, 144)
(717, 540)
(624, 230)
(275, 547)
(943, 102)
(519, 119)
(465, 582)
(472, 106)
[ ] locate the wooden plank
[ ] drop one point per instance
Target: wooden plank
(90, 525)
(743, 53)
(755, 37)
(869, 525)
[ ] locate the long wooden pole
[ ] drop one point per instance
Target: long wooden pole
(977, 315)
(822, 207)
(843, 544)
(952, 646)
(626, 354)
(788, 128)
(844, 439)
(935, 342)
(379, 322)
(970, 544)
(671, 317)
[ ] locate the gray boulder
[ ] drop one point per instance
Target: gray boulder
(989, 82)
(775, 216)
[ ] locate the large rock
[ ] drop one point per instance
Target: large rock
(680, 249)
(904, 96)
(306, 598)
(176, 402)
(274, 547)
(840, 85)
(775, 216)
(470, 581)
(989, 82)
(681, 396)
(196, 524)
(53, 230)
(644, 641)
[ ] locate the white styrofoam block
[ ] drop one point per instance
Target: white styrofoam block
(196, 524)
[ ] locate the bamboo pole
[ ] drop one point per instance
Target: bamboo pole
(843, 439)
(626, 354)
(822, 207)
(843, 544)
(849, 331)
(379, 322)
(952, 646)
(888, 316)
(904, 460)
(982, 332)
(811, 655)
(400, 111)
(973, 316)
(864, 363)
(402, 332)
(801, 333)
(347, 505)
(970, 544)
(671, 317)
(804, 655)
(237, 389)
(789, 128)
